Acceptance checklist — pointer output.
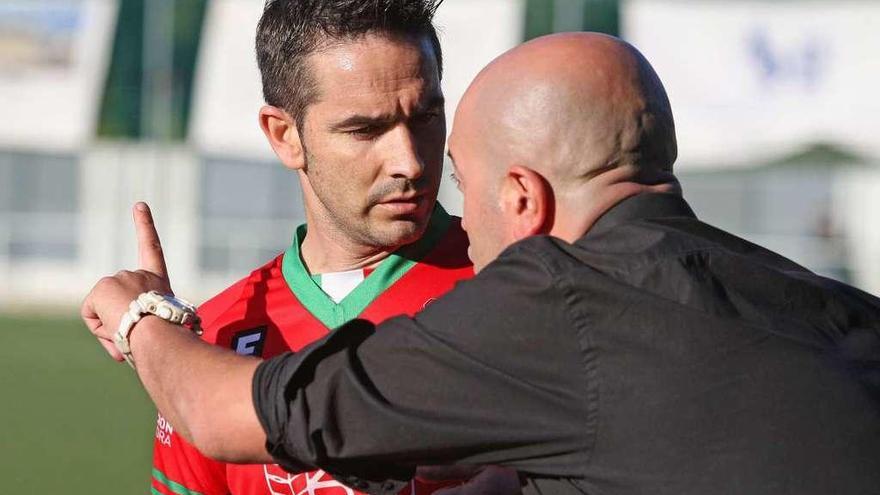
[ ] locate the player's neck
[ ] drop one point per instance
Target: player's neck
(327, 249)
(322, 253)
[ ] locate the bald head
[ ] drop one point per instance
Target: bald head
(553, 134)
(572, 106)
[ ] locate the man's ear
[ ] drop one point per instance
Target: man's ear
(527, 198)
(280, 129)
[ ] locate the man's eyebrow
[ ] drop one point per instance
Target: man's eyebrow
(355, 121)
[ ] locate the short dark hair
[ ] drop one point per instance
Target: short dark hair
(290, 30)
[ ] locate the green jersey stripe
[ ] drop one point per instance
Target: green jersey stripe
(389, 271)
(174, 486)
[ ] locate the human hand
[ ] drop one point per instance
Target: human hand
(105, 304)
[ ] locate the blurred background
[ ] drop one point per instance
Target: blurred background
(106, 102)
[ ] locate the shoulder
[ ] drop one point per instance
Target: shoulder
(455, 235)
(540, 254)
(231, 303)
(526, 268)
(451, 249)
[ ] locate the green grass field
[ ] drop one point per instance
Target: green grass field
(72, 421)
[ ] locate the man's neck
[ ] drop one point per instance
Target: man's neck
(328, 250)
(326, 247)
(585, 205)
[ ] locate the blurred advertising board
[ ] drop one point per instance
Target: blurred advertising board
(228, 94)
(752, 81)
(53, 61)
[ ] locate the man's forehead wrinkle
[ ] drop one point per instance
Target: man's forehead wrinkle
(380, 85)
(373, 75)
(368, 66)
(369, 53)
(377, 81)
(385, 104)
(383, 101)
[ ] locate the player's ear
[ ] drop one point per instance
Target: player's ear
(527, 199)
(280, 129)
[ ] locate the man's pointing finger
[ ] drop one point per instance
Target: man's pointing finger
(150, 257)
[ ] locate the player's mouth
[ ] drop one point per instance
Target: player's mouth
(403, 205)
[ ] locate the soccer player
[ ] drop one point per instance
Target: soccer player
(354, 107)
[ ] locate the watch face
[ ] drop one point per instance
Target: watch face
(175, 302)
(179, 303)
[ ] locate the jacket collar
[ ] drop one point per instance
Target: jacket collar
(642, 207)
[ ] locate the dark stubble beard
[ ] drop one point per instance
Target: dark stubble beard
(367, 236)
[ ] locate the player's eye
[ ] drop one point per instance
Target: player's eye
(365, 132)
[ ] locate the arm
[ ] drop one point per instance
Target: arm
(509, 381)
(491, 373)
(204, 391)
(202, 388)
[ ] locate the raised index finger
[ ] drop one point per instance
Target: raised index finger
(150, 257)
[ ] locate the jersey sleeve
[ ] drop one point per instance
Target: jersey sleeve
(180, 469)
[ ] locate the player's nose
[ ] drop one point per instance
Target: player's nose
(403, 160)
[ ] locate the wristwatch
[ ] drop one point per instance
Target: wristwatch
(165, 306)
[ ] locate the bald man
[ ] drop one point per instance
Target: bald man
(612, 343)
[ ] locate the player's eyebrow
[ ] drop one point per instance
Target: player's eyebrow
(355, 121)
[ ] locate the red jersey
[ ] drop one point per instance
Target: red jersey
(281, 307)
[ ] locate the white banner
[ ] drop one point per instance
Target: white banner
(228, 93)
(53, 60)
(752, 81)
